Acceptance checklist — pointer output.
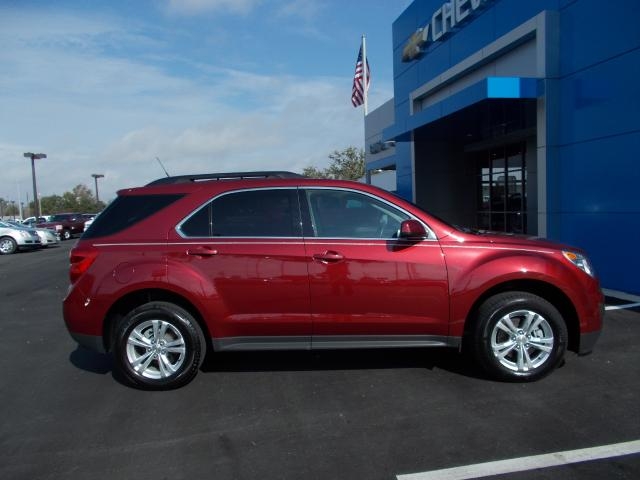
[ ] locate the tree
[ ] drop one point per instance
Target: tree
(80, 199)
(8, 208)
(345, 165)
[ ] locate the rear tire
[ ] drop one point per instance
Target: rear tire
(159, 346)
(66, 235)
(519, 337)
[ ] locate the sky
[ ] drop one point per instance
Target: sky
(204, 85)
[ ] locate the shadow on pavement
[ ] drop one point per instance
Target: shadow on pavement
(91, 361)
(430, 359)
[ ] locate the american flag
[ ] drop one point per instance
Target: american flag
(357, 92)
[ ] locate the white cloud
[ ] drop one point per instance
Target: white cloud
(94, 112)
(305, 9)
(195, 7)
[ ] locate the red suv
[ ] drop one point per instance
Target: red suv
(273, 260)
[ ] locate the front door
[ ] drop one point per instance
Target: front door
(367, 287)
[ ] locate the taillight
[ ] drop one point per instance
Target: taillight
(80, 261)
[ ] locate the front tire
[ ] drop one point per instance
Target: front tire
(66, 235)
(159, 346)
(8, 246)
(519, 336)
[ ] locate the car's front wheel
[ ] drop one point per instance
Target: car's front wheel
(519, 336)
(7, 245)
(66, 235)
(159, 345)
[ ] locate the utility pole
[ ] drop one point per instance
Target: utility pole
(34, 157)
(96, 176)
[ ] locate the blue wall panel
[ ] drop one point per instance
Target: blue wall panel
(611, 242)
(598, 177)
(592, 31)
(594, 203)
(601, 100)
(592, 175)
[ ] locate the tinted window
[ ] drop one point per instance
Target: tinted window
(126, 211)
(347, 214)
(253, 213)
(60, 218)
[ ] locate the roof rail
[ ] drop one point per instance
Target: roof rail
(223, 176)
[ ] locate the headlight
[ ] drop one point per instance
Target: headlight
(579, 261)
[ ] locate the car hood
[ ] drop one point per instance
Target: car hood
(507, 239)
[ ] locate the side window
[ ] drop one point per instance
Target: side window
(347, 214)
(251, 213)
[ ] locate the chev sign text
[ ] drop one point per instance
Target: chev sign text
(443, 21)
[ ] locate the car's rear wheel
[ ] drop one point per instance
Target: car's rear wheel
(519, 336)
(66, 235)
(7, 245)
(159, 345)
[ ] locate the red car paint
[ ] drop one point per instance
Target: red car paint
(315, 291)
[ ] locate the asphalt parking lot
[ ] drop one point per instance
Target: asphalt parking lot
(329, 415)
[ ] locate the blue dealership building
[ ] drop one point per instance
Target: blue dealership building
(520, 116)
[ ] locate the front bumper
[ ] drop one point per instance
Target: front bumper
(92, 342)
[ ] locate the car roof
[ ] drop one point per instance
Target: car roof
(233, 180)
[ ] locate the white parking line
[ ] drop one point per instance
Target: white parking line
(629, 297)
(622, 307)
(527, 463)
(634, 299)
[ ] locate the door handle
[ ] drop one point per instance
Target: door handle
(202, 251)
(328, 257)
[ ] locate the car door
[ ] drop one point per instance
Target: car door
(246, 249)
(368, 287)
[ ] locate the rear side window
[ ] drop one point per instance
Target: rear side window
(127, 210)
(250, 213)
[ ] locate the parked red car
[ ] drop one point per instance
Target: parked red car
(272, 260)
(65, 225)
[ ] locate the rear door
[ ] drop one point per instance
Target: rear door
(369, 288)
(244, 255)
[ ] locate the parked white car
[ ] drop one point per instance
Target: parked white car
(32, 222)
(47, 237)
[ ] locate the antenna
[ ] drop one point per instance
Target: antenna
(162, 166)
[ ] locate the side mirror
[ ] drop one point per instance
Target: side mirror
(412, 230)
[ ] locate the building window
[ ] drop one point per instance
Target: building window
(502, 181)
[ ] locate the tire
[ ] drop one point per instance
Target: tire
(66, 235)
(159, 346)
(519, 337)
(7, 246)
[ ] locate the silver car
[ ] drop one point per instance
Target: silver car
(14, 238)
(47, 237)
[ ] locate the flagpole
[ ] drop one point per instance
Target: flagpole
(365, 73)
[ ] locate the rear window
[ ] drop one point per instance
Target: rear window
(127, 210)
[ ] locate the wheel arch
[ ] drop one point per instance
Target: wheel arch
(545, 290)
(139, 297)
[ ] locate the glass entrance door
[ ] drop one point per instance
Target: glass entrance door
(502, 181)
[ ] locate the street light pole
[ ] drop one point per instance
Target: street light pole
(34, 157)
(96, 176)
